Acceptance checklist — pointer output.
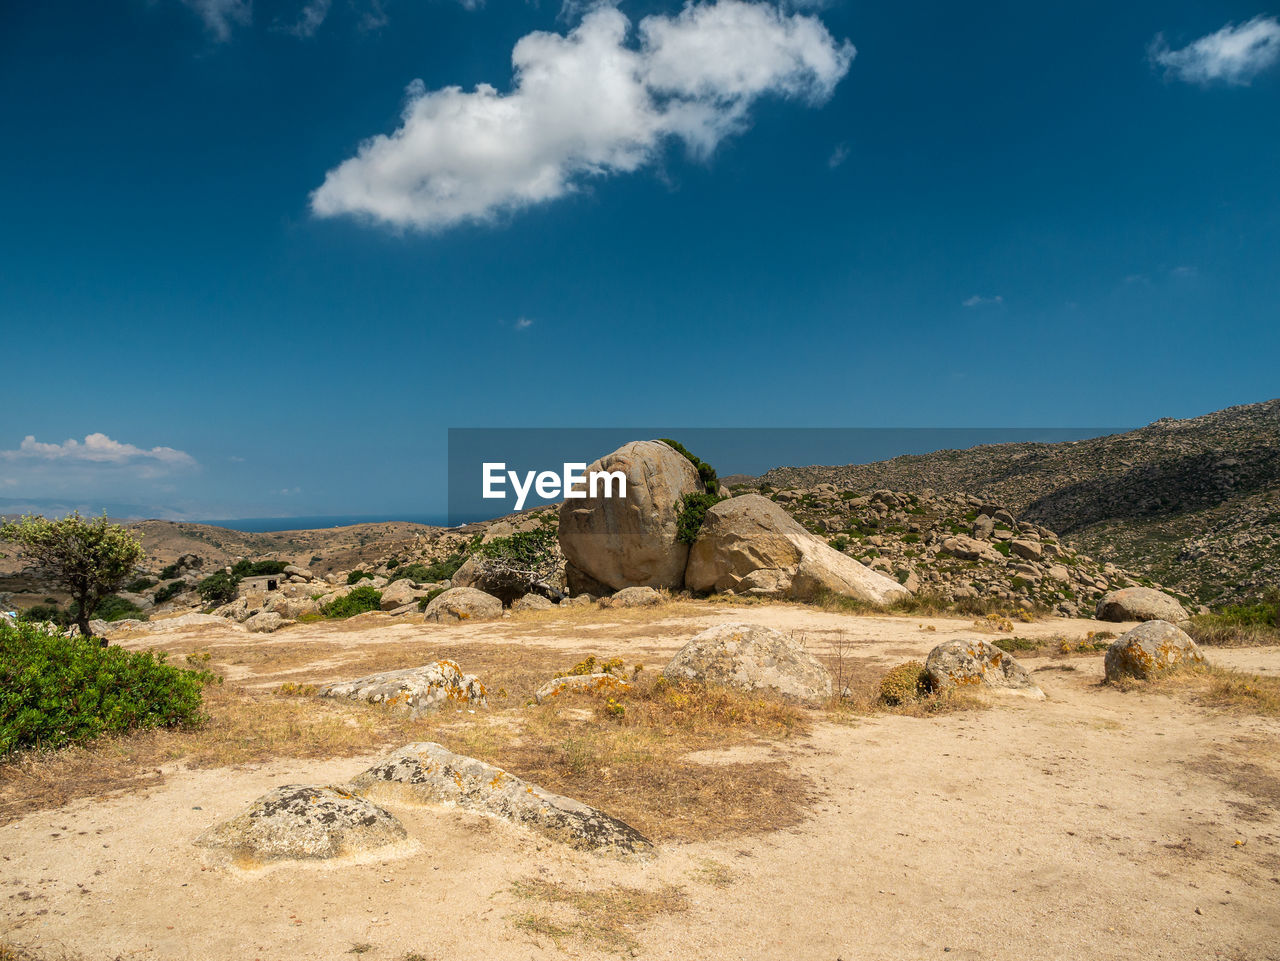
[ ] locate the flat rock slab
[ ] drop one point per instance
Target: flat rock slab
(574, 683)
(416, 689)
(1150, 648)
(1139, 604)
(428, 773)
(976, 663)
(750, 657)
(304, 822)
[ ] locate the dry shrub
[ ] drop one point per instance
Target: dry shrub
(604, 918)
(903, 684)
(1215, 687)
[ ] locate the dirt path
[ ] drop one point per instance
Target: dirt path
(1094, 824)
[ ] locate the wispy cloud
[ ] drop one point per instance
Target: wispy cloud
(583, 105)
(96, 449)
(310, 18)
(838, 156)
(1233, 55)
(221, 16)
(977, 300)
(523, 323)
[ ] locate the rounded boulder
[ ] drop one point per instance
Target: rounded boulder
(1148, 649)
(749, 657)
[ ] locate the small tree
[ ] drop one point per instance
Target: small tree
(90, 558)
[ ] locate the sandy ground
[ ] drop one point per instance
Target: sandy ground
(1093, 824)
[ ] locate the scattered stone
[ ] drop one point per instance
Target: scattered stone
(416, 689)
(969, 663)
(749, 657)
(750, 545)
(633, 597)
(304, 822)
(532, 602)
(462, 604)
(579, 600)
(294, 571)
(631, 541)
(1140, 604)
(265, 623)
(1148, 649)
(428, 773)
(574, 683)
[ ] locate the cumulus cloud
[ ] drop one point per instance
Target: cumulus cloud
(96, 449)
(221, 16)
(979, 301)
(1234, 55)
(600, 100)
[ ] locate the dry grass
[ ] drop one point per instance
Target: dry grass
(1059, 645)
(859, 688)
(1214, 687)
(603, 918)
(1214, 630)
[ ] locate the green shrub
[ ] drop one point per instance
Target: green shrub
(170, 591)
(219, 588)
(243, 569)
(38, 613)
(903, 684)
(393, 563)
(430, 596)
(355, 577)
(693, 511)
(58, 690)
(113, 608)
(140, 585)
(170, 572)
(438, 571)
(706, 473)
(358, 601)
(839, 542)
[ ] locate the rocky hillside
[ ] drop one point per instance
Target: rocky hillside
(1193, 503)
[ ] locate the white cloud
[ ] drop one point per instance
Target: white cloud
(220, 16)
(585, 105)
(979, 301)
(96, 449)
(1235, 54)
(310, 18)
(838, 156)
(523, 323)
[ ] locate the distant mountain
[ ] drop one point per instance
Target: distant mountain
(1193, 503)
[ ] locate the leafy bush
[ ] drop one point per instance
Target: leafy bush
(38, 613)
(358, 601)
(172, 590)
(903, 684)
(355, 577)
(218, 588)
(706, 473)
(427, 573)
(170, 572)
(693, 511)
(430, 596)
(839, 542)
(140, 585)
(113, 608)
(58, 690)
(243, 569)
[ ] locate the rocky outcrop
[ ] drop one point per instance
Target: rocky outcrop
(416, 689)
(401, 592)
(751, 658)
(304, 822)
(750, 545)
(462, 604)
(428, 773)
(631, 541)
(978, 664)
(1148, 649)
(577, 683)
(1139, 604)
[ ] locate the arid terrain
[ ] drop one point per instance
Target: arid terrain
(1100, 822)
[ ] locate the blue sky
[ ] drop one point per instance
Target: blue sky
(989, 215)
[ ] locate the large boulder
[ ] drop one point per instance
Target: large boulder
(428, 773)
(633, 597)
(266, 622)
(750, 545)
(751, 658)
(462, 604)
(1148, 649)
(1139, 604)
(631, 541)
(978, 664)
(531, 602)
(401, 592)
(304, 822)
(416, 689)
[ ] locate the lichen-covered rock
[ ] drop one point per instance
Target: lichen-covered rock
(1149, 648)
(462, 604)
(631, 541)
(751, 658)
(265, 622)
(978, 664)
(532, 602)
(573, 683)
(304, 822)
(633, 597)
(750, 545)
(428, 773)
(401, 592)
(1139, 604)
(417, 689)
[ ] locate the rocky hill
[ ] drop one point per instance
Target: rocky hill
(1192, 503)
